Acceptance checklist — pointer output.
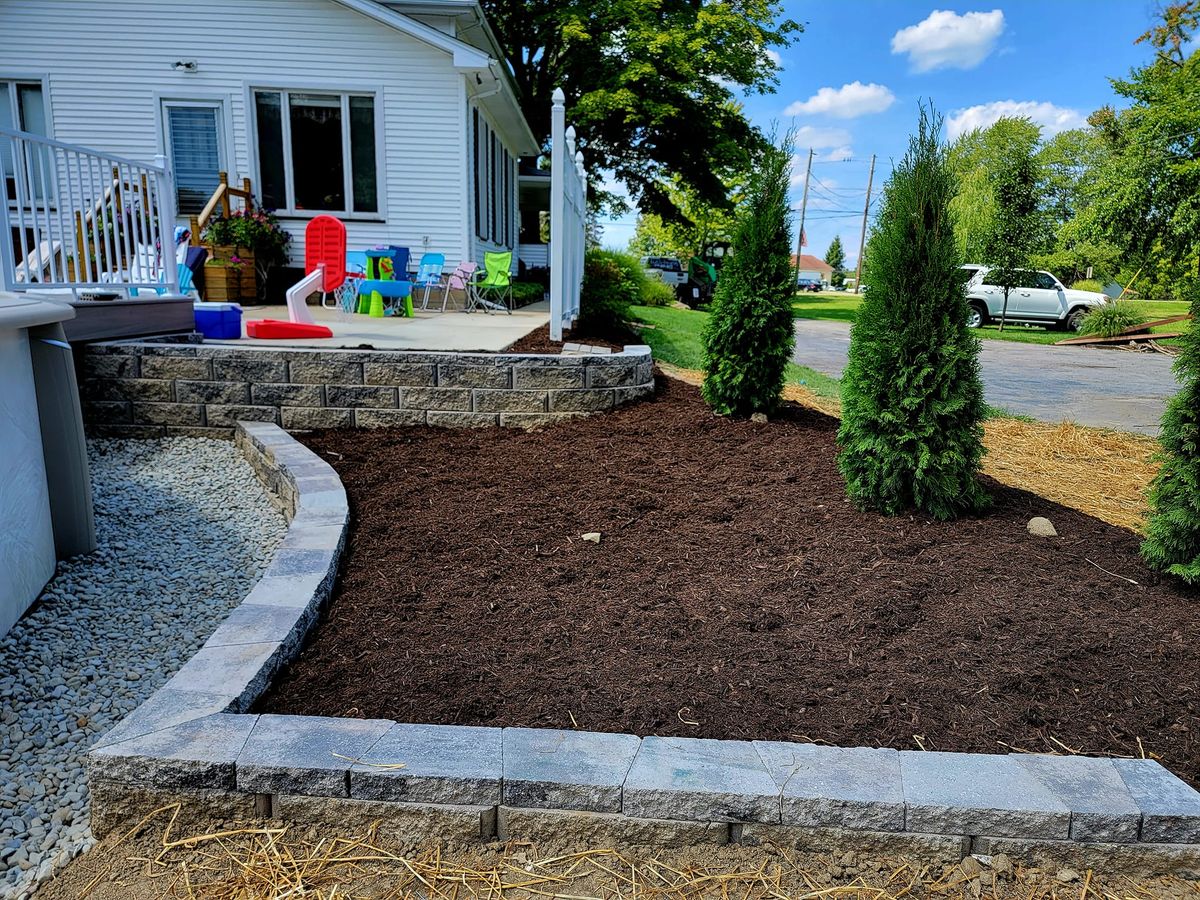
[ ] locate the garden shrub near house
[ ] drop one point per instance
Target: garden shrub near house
(612, 283)
(749, 337)
(1173, 531)
(912, 399)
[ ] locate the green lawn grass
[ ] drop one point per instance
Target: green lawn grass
(843, 307)
(674, 337)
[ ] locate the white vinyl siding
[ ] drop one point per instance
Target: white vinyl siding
(112, 100)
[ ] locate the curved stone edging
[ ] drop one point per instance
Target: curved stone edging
(193, 736)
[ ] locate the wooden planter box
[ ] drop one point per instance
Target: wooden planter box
(225, 282)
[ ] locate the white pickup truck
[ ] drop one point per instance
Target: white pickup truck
(1039, 299)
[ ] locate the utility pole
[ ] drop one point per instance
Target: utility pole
(803, 209)
(862, 240)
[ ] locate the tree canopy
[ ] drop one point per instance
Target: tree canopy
(649, 84)
(835, 256)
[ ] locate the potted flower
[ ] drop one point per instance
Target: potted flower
(229, 279)
(252, 237)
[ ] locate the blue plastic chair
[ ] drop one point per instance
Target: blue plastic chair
(429, 275)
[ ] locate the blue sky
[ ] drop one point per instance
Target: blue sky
(852, 81)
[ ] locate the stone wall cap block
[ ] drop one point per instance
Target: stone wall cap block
(165, 708)
(257, 623)
(455, 764)
(243, 670)
(978, 793)
(192, 755)
(848, 787)
(701, 780)
(1102, 811)
(308, 755)
(1170, 809)
(550, 769)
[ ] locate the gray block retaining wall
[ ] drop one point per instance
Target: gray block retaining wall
(195, 740)
(147, 389)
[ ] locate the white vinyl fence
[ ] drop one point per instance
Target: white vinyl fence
(568, 217)
(77, 219)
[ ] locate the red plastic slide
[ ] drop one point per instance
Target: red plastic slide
(274, 329)
(325, 265)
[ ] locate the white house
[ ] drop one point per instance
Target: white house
(399, 118)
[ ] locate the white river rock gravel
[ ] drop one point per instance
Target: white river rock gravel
(185, 530)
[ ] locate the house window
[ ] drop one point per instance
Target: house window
(316, 151)
(22, 108)
(493, 184)
(194, 139)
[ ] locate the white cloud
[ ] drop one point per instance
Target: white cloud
(946, 40)
(837, 154)
(821, 138)
(1053, 119)
(847, 102)
(773, 56)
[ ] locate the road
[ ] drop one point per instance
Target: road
(1102, 388)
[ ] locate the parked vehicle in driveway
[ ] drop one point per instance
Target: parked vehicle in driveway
(665, 269)
(808, 284)
(1038, 299)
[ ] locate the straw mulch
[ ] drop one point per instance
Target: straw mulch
(1102, 473)
(272, 863)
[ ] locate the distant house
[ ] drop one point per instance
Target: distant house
(399, 118)
(813, 268)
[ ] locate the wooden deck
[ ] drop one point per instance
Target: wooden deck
(110, 319)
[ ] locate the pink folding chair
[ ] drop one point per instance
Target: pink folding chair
(460, 280)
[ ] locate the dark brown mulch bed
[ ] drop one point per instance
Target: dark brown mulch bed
(735, 594)
(539, 341)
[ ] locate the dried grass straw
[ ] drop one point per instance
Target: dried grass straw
(269, 863)
(1102, 473)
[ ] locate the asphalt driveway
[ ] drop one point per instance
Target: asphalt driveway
(1103, 388)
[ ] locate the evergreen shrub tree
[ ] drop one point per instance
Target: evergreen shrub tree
(835, 256)
(748, 339)
(912, 399)
(1173, 531)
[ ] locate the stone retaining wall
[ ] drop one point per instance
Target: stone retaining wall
(195, 740)
(146, 389)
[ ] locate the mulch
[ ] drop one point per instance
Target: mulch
(735, 594)
(539, 341)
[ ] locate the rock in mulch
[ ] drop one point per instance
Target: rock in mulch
(1040, 526)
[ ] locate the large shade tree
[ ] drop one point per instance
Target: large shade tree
(650, 84)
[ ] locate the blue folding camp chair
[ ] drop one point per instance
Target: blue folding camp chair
(429, 275)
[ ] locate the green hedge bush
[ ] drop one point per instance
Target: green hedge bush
(612, 283)
(1088, 284)
(1112, 318)
(526, 292)
(656, 293)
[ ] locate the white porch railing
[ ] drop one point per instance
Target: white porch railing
(568, 215)
(75, 218)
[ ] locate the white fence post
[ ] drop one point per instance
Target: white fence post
(568, 219)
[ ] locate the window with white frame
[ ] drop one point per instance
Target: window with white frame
(493, 178)
(317, 151)
(22, 108)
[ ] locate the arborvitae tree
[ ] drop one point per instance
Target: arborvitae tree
(912, 399)
(1173, 532)
(748, 340)
(835, 256)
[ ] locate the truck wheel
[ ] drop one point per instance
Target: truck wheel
(1075, 318)
(976, 315)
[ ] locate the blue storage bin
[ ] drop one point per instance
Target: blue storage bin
(218, 320)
